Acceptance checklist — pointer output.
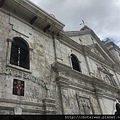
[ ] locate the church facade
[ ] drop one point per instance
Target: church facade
(46, 70)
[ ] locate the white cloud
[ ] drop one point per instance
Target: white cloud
(118, 44)
(101, 15)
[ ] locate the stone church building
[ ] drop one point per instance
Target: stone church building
(46, 70)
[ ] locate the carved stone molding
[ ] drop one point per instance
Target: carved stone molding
(3, 100)
(24, 75)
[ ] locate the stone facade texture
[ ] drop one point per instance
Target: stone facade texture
(51, 85)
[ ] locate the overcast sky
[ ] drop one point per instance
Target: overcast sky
(102, 16)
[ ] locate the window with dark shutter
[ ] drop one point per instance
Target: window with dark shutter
(19, 53)
(75, 63)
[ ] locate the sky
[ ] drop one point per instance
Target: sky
(102, 16)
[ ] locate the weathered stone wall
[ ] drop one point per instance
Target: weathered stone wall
(64, 53)
(70, 92)
(98, 70)
(35, 79)
(4, 33)
(73, 100)
(84, 39)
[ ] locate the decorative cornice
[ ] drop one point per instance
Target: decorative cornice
(69, 72)
(59, 67)
(34, 8)
(27, 10)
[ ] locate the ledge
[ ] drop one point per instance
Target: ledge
(67, 70)
(19, 68)
(59, 67)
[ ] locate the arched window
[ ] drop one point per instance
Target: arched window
(19, 53)
(75, 63)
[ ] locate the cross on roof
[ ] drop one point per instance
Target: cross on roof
(83, 23)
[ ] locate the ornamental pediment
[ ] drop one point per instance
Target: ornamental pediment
(97, 52)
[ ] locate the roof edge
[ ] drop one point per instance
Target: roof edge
(30, 3)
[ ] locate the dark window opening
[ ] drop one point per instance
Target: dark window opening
(75, 63)
(19, 53)
(18, 87)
